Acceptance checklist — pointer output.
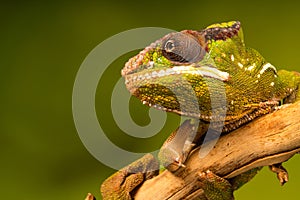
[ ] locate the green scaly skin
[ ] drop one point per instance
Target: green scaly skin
(193, 64)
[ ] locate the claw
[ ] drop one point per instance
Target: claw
(182, 165)
(175, 164)
(90, 197)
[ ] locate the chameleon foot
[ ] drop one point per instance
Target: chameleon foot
(123, 183)
(281, 172)
(215, 187)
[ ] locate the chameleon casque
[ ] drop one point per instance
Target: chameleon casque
(196, 64)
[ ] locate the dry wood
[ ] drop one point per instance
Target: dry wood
(270, 139)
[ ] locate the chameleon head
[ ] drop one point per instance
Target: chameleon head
(178, 72)
(172, 70)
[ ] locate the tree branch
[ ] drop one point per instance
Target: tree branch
(270, 139)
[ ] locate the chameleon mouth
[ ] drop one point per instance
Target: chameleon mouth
(202, 71)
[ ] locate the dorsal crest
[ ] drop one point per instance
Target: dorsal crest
(222, 31)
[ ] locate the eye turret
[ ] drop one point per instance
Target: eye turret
(182, 48)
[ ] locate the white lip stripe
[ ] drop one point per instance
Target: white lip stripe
(204, 71)
(267, 66)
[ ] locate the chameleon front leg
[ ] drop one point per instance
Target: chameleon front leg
(179, 144)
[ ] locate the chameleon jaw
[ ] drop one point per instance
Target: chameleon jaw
(155, 87)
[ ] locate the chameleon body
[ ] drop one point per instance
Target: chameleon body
(179, 73)
(188, 66)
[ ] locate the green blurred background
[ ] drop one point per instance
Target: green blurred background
(42, 48)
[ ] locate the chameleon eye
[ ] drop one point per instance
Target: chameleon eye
(182, 48)
(169, 46)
